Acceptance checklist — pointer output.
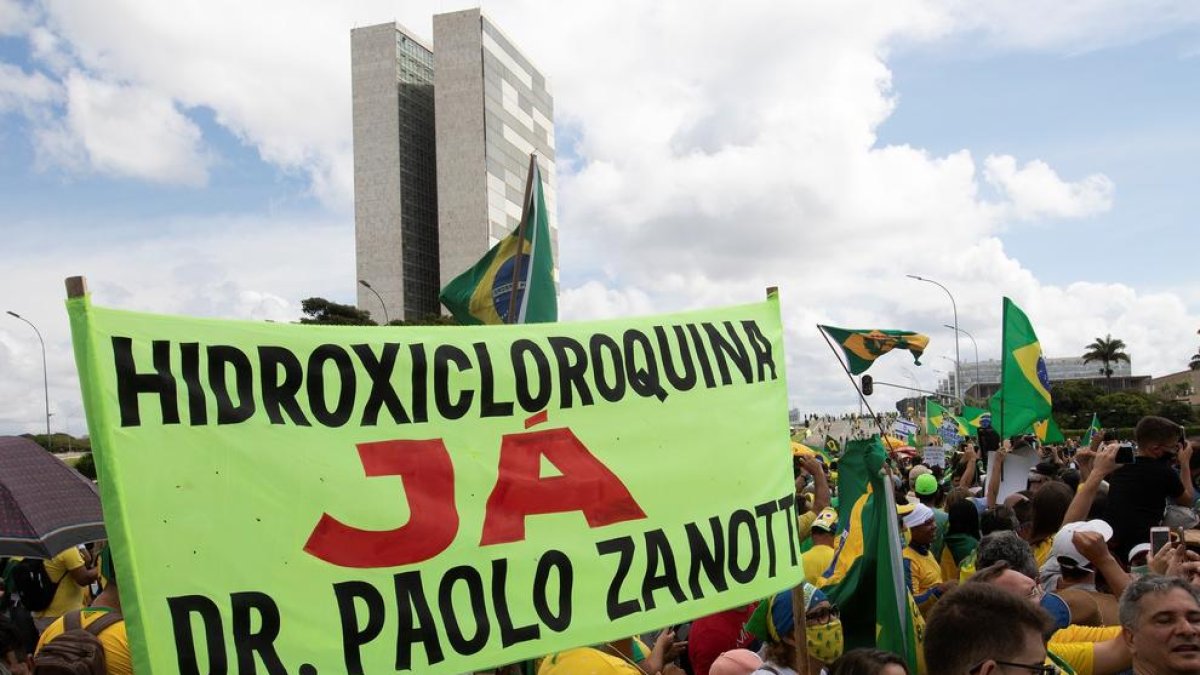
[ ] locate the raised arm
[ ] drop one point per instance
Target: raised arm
(1104, 463)
(993, 486)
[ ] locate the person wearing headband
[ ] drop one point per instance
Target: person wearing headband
(773, 624)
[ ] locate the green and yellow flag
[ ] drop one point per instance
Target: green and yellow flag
(484, 293)
(1093, 429)
(973, 416)
(1024, 395)
(936, 416)
(1047, 431)
(867, 579)
(833, 449)
(863, 346)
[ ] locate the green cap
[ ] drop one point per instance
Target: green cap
(926, 485)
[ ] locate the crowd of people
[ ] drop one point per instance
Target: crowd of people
(1092, 569)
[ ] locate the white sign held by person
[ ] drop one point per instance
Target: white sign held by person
(935, 456)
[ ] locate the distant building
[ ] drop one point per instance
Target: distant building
(1181, 386)
(442, 137)
(985, 381)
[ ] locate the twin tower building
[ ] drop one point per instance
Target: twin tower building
(442, 138)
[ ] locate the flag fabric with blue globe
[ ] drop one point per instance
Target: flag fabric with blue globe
(483, 294)
(1024, 395)
(1092, 430)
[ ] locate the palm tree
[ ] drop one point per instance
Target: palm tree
(1106, 350)
(1194, 364)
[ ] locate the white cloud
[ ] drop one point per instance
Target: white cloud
(1036, 191)
(725, 148)
(127, 131)
(24, 91)
(15, 17)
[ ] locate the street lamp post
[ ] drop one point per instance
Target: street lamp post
(45, 372)
(364, 284)
(953, 306)
(973, 342)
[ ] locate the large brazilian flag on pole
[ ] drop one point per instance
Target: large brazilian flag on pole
(521, 263)
(1024, 396)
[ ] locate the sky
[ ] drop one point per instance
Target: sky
(195, 158)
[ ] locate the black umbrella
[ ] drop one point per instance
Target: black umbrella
(46, 506)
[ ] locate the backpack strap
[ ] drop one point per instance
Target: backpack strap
(107, 619)
(72, 621)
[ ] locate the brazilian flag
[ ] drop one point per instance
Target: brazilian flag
(833, 449)
(867, 578)
(863, 346)
(936, 416)
(1024, 395)
(1047, 431)
(484, 293)
(1093, 429)
(974, 415)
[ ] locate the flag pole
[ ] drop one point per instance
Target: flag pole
(525, 209)
(878, 422)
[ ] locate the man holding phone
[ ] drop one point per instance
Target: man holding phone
(1139, 492)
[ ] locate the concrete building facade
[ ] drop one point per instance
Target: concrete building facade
(492, 109)
(395, 174)
(984, 380)
(442, 137)
(1181, 386)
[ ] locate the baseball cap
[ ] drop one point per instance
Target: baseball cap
(1138, 550)
(926, 485)
(736, 662)
(1063, 550)
(826, 520)
(918, 516)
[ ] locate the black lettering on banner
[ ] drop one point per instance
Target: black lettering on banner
(509, 633)
(643, 381)
(680, 382)
(765, 511)
(380, 369)
(246, 643)
(658, 554)
(702, 356)
(743, 575)
(729, 350)
(488, 405)
(529, 401)
(554, 560)
(219, 357)
(353, 637)
(277, 395)
(189, 363)
(182, 609)
(443, 356)
(420, 378)
(787, 505)
(347, 382)
(572, 371)
(416, 621)
(131, 383)
(478, 610)
(597, 345)
(623, 547)
(710, 559)
(761, 347)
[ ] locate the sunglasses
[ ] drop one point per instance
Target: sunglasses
(1041, 668)
(822, 615)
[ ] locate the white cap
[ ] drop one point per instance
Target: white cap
(1138, 550)
(1064, 548)
(919, 516)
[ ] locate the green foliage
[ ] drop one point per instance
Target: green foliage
(428, 320)
(86, 466)
(59, 442)
(324, 312)
(1125, 408)
(1074, 403)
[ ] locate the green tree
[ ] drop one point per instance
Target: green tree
(86, 466)
(1194, 364)
(324, 312)
(427, 320)
(1107, 350)
(1125, 408)
(1074, 403)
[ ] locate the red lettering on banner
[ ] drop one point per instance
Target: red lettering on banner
(428, 477)
(586, 485)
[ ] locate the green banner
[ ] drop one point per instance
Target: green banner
(316, 499)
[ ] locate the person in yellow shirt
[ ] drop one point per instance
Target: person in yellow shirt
(73, 575)
(113, 638)
(820, 556)
(923, 569)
